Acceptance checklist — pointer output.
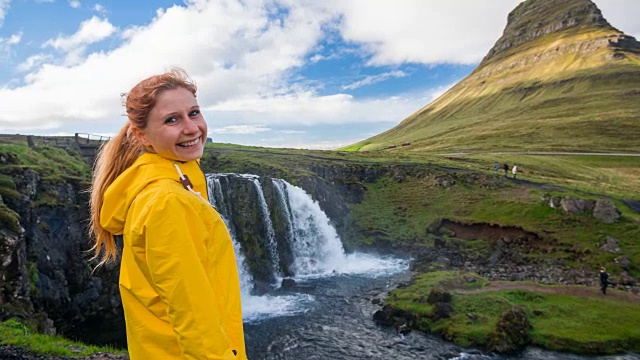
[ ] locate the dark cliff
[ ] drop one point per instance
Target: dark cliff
(47, 278)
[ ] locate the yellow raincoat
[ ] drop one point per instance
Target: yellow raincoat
(178, 277)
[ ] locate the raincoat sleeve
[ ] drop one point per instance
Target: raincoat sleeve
(176, 254)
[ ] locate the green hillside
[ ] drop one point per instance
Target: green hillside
(559, 79)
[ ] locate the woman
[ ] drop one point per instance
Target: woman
(178, 276)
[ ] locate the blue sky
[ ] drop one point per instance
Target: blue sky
(278, 73)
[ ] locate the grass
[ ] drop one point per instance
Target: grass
(563, 100)
(13, 332)
(400, 212)
(560, 321)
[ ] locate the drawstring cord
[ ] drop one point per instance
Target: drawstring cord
(186, 183)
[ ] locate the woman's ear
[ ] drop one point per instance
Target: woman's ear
(139, 134)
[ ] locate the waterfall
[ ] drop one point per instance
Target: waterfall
(271, 236)
(315, 242)
(216, 197)
(277, 228)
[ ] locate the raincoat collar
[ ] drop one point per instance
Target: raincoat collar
(148, 168)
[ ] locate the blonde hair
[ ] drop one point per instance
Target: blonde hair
(120, 152)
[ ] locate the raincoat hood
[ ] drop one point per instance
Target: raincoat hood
(148, 168)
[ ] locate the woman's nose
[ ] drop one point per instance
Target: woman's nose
(190, 126)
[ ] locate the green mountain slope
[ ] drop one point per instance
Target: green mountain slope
(560, 78)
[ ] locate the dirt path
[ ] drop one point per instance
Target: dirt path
(576, 290)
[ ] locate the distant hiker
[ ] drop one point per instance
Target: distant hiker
(506, 169)
(604, 280)
(496, 166)
(514, 170)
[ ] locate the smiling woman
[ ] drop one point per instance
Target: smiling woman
(178, 277)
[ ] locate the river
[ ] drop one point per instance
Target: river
(332, 318)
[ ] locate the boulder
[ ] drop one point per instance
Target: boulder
(288, 283)
(575, 205)
(554, 202)
(441, 310)
(512, 331)
(606, 212)
(438, 296)
(612, 245)
(624, 262)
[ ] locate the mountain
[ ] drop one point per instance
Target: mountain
(560, 78)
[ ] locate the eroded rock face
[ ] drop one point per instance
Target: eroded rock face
(533, 19)
(48, 279)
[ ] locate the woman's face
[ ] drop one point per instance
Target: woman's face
(175, 127)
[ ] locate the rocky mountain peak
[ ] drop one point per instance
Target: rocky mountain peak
(533, 19)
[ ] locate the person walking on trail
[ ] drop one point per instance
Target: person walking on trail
(506, 169)
(178, 276)
(514, 170)
(496, 166)
(604, 280)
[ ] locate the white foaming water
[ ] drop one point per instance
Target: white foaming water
(316, 246)
(256, 308)
(318, 249)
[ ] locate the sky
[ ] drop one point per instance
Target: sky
(276, 73)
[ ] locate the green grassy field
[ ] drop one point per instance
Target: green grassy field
(560, 320)
(15, 333)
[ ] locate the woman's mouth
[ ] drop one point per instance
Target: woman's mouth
(190, 143)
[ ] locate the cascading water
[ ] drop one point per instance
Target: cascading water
(316, 249)
(271, 236)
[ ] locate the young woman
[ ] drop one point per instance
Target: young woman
(178, 276)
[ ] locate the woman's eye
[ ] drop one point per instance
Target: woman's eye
(171, 120)
(194, 113)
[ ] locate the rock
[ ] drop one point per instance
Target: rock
(611, 245)
(575, 205)
(512, 331)
(439, 242)
(624, 262)
(470, 279)
(288, 283)
(472, 317)
(554, 202)
(625, 279)
(438, 296)
(441, 310)
(376, 301)
(401, 326)
(606, 212)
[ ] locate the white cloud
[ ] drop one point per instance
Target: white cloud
(309, 109)
(291, 132)
(231, 49)
(4, 6)
(369, 80)
(427, 32)
(33, 61)
(74, 4)
(90, 32)
(240, 129)
(100, 9)
(6, 45)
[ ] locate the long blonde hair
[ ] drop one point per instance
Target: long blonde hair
(121, 151)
